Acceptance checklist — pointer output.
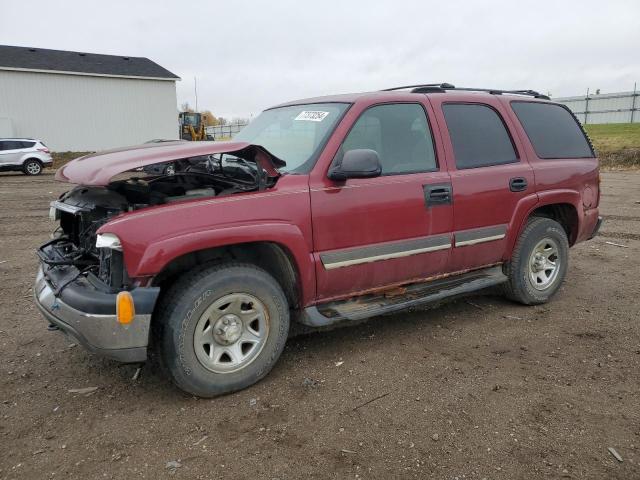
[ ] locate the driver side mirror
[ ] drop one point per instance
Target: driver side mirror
(359, 163)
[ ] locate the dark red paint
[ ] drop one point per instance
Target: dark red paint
(310, 214)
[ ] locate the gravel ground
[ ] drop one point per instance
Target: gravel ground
(477, 388)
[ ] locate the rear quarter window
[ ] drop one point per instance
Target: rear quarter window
(552, 130)
(28, 144)
(478, 135)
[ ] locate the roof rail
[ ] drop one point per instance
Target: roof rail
(443, 87)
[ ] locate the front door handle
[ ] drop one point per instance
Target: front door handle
(518, 184)
(438, 194)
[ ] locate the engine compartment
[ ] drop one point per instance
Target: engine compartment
(84, 209)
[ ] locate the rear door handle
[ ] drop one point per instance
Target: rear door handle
(518, 184)
(437, 194)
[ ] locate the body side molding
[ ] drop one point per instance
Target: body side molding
(374, 253)
(480, 235)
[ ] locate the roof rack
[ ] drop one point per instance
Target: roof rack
(443, 87)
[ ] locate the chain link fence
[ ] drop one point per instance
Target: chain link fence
(224, 132)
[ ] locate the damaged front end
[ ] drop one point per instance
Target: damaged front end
(82, 274)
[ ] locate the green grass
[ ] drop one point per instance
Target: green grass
(613, 137)
(617, 144)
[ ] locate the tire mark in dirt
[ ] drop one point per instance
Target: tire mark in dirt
(35, 213)
(622, 217)
(22, 233)
(622, 235)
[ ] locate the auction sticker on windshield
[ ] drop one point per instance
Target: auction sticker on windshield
(311, 116)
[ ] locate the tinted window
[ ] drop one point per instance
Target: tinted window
(399, 133)
(11, 145)
(552, 130)
(27, 144)
(478, 136)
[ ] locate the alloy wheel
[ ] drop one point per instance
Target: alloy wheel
(231, 333)
(33, 168)
(544, 264)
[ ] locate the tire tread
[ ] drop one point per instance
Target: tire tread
(514, 289)
(166, 324)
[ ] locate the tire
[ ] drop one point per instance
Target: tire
(530, 283)
(32, 167)
(199, 359)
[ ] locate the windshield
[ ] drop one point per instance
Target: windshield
(295, 134)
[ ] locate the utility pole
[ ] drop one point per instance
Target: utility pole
(633, 101)
(195, 88)
(586, 106)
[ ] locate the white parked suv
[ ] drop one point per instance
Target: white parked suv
(24, 155)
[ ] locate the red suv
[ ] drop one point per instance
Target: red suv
(321, 211)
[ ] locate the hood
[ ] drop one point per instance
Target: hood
(99, 168)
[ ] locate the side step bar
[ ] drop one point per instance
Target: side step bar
(412, 295)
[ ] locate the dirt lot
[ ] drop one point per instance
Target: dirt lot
(478, 388)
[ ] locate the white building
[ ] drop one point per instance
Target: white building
(76, 101)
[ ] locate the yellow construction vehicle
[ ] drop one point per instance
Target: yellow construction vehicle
(192, 126)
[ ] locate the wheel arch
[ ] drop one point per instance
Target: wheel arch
(275, 258)
(29, 157)
(565, 214)
(561, 208)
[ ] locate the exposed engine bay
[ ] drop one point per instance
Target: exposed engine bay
(84, 209)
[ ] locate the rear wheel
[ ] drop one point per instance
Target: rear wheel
(32, 167)
(222, 329)
(539, 262)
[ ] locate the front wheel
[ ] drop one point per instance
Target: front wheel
(32, 167)
(539, 262)
(222, 329)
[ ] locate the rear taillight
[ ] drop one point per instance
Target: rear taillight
(45, 150)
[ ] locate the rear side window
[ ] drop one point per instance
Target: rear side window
(28, 144)
(399, 133)
(552, 130)
(478, 135)
(11, 145)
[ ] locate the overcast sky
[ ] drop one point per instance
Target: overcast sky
(250, 55)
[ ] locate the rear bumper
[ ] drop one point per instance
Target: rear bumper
(590, 223)
(100, 333)
(596, 229)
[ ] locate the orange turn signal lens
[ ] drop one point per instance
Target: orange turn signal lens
(125, 310)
